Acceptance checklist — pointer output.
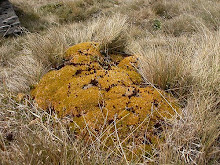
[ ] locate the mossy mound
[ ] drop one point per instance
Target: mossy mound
(101, 93)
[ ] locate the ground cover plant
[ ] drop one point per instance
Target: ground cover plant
(177, 46)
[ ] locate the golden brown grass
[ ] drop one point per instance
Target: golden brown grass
(36, 54)
(191, 71)
(178, 46)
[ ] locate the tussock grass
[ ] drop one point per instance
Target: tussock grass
(166, 9)
(194, 139)
(188, 67)
(165, 61)
(32, 136)
(78, 10)
(36, 54)
(182, 25)
(180, 55)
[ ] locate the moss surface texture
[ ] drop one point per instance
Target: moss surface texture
(105, 95)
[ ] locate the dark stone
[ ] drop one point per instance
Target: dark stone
(9, 21)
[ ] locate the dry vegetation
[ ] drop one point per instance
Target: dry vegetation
(178, 43)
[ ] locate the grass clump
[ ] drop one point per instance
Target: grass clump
(71, 12)
(47, 50)
(165, 9)
(76, 11)
(198, 132)
(183, 25)
(162, 64)
(29, 20)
